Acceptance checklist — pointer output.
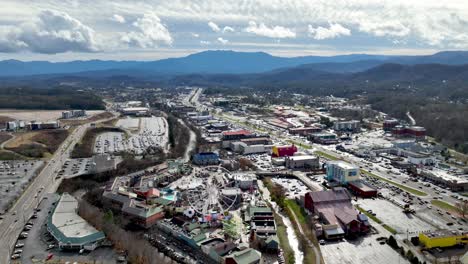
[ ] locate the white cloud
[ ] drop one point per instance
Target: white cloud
(223, 41)
(204, 42)
(390, 28)
(270, 32)
(228, 29)
(51, 32)
(118, 18)
(195, 35)
(213, 26)
(150, 33)
(333, 31)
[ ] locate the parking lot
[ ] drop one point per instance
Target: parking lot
(14, 178)
(142, 133)
(75, 167)
(294, 188)
(364, 250)
(39, 245)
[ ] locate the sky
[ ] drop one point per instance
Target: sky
(64, 30)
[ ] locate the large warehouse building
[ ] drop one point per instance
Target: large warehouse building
(70, 230)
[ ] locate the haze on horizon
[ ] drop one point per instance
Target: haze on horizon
(153, 29)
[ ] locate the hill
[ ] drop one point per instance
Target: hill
(225, 62)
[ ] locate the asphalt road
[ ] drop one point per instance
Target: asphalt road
(46, 182)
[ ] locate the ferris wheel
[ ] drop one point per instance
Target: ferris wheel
(215, 194)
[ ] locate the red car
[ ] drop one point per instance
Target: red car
(50, 256)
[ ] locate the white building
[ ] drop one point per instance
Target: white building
(351, 125)
(302, 162)
(342, 172)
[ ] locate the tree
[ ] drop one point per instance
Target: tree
(462, 208)
(392, 242)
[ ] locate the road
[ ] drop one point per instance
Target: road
(46, 182)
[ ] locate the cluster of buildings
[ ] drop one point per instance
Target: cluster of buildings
(401, 131)
(337, 216)
(33, 125)
(73, 114)
(133, 108)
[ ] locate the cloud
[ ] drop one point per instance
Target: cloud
(227, 29)
(204, 42)
(223, 41)
(195, 35)
(213, 26)
(390, 28)
(51, 32)
(333, 31)
(118, 18)
(150, 33)
(270, 32)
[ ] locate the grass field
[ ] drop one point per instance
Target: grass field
(403, 187)
(444, 205)
(9, 155)
(4, 137)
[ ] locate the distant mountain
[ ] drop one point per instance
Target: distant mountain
(226, 62)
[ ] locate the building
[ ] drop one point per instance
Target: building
(246, 256)
(70, 230)
(253, 149)
(206, 158)
(246, 181)
(336, 213)
(236, 135)
(389, 124)
(302, 162)
(304, 131)
(283, 151)
(256, 141)
(352, 125)
(342, 172)
(73, 114)
(417, 132)
(438, 176)
(136, 111)
(362, 189)
(443, 239)
(323, 138)
(262, 226)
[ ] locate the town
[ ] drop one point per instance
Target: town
(186, 176)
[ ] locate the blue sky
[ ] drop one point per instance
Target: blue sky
(61, 30)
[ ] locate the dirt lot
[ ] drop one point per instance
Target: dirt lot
(92, 117)
(37, 144)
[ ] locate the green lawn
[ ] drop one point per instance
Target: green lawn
(326, 155)
(297, 143)
(403, 187)
(444, 205)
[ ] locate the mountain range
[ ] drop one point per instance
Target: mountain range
(227, 62)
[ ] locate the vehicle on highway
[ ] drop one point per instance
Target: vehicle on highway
(18, 251)
(15, 256)
(19, 245)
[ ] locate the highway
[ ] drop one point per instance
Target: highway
(46, 182)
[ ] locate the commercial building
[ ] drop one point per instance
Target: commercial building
(304, 131)
(246, 181)
(205, 158)
(336, 213)
(253, 149)
(342, 172)
(236, 135)
(323, 138)
(362, 189)
(352, 125)
(454, 182)
(389, 124)
(283, 151)
(302, 162)
(262, 225)
(416, 132)
(73, 114)
(70, 230)
(443, 238)
(136, 111)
